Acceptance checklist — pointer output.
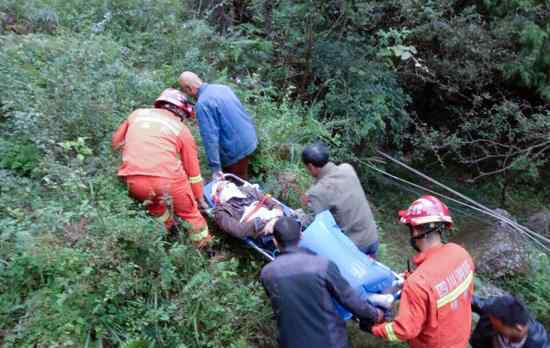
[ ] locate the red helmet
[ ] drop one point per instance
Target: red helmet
(176, 98)
(426, 209)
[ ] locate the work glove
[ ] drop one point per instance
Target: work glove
(389, 314)
(367, 324)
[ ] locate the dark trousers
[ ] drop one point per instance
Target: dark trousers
(240, 168)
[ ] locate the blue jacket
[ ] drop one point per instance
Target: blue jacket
(227, 131)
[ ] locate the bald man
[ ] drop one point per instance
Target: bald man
(227, 131)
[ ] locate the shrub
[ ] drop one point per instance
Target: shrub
(506, 143)
(71, 86)
(82, 265)
(21, 157)
(534, 287)
(97, 16)
(102, 273)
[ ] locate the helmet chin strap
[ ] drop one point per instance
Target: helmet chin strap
(175, 110)
(413, 239)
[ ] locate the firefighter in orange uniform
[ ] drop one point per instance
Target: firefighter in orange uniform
(160, 164)
(435, 308)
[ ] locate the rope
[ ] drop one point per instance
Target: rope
(456, 207)
(500, 217)
(478, 207)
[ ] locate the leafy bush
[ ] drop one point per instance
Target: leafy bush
(531, 70)
(504, 141)
(96, 16)
(477, 76)
(102, 273)
(368, 109)
(22, 158)
(67, 87)
(82, 265)
(533, 289)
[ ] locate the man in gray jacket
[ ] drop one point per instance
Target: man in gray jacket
(338, 189)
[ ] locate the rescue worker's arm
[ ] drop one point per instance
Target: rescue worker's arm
(119, 136)
(190, 161)
(340, 289)
(316, 203)
(210, 134)
(410, 319)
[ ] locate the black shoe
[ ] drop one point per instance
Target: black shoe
(172, 235)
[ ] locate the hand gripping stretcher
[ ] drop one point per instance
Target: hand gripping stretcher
(374, 281)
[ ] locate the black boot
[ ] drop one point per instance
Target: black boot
(173, 234)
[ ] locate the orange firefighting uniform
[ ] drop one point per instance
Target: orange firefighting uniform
(160, 162)
(435, 307)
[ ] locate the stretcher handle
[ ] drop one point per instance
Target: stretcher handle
(399, 280)
(258, 249)
(242, 181)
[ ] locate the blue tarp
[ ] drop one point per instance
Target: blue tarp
(364, 274)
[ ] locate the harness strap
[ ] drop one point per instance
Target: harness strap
(256, 208)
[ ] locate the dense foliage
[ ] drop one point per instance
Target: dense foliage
(464, 82)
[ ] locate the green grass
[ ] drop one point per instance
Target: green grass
(81, 264)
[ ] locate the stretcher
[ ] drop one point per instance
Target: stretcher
(264, 244)
(375, 282)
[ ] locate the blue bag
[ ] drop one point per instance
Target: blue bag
(363, 273)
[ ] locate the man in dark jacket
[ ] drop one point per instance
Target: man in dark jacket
(227, 131)
(505, 323)
(301, 286)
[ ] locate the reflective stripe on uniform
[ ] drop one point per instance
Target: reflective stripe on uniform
(170, 125)
(164, 217)
(198, 236)
(195, 179)
(390, 332)
(459, 290)
(426, 219)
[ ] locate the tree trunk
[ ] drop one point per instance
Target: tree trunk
(221, 15)
(308, 53)
(268, 18)
(504, 191)
(242, 12)
(336, 10)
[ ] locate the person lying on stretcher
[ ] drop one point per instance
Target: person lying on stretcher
(244, 211)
